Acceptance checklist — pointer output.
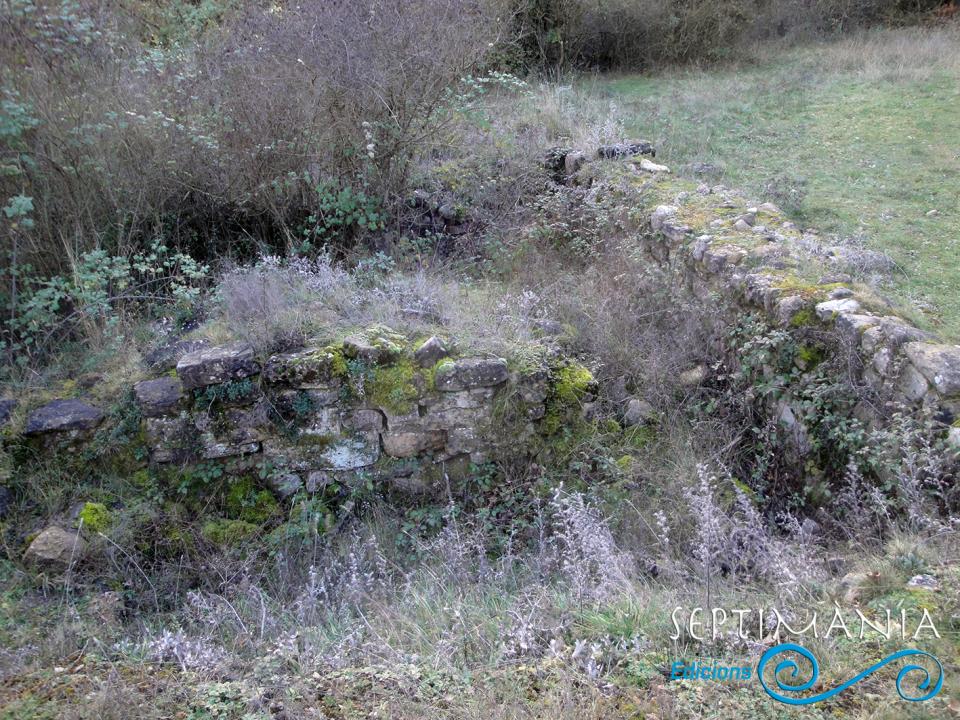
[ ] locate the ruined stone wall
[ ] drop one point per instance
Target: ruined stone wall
(375, 403)
(897, 363)
(752, 256)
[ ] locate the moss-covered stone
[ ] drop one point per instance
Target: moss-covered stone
(94, 517)
(227, 532)
(338, 361)
(393, 387)
(570, 385)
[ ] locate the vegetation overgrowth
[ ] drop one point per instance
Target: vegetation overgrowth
(289, 174)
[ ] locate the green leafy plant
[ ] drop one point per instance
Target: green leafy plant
(340, 211)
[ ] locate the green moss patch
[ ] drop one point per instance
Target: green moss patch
(227, 532)
(570, 385)
(392, 387)
(95, 517)
(245, 502)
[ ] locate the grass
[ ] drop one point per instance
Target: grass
(857, 138)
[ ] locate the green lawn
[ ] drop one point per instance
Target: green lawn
(851, 146)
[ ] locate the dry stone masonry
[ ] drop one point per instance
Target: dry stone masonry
(752, 255)
(757, 265)
(374, 403)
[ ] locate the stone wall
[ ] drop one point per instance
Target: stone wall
(750, 254)
(374, 403)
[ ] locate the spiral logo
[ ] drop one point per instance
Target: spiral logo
(790, 667)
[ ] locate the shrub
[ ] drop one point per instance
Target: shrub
(629, 34)
(278, 123)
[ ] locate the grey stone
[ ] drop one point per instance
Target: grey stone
(171, 439)
(830, 309)
(363, 419)
(303, 369)
(214, 449)
(716, 259)
(939, 364)
(296, 402)
(923, 582)
(660, 214)
(871, 340)
(881, 362)
(56, 548)
(898, 332)
(788, 307)
(317, 480)
(652, 167)
(407, 444)
(912, 384)
(165, 357)
(852, 326)
(471, 373)
(405, 420)
(840, 293)
(353, 453)
(212, 366)
(742, 225)
(465, 441)
(797, 433)
(534, 385)
(694, 376)
(625, 149)
(638, 412)
(158, 397)
(445, 418)
(63, 416)
(700, 246)
(674, 232)
(430, 352)
(285, 484)
(371, 349)
(573, 162)
(324, 422)
(468, 399)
